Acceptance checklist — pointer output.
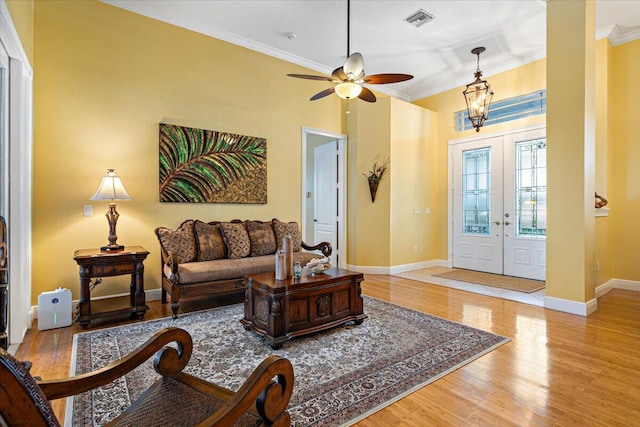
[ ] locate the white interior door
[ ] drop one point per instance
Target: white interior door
(477, 206)
(325, 194)
(499, 205)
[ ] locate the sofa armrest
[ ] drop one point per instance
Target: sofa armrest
(171, 262)
(324, 247)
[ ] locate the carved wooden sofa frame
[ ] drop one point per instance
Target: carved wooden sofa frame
(234, 287)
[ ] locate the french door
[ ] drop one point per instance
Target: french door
(499, 204)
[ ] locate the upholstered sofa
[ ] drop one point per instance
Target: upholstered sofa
(200, 258)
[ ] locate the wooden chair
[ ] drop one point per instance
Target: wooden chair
(176, 398)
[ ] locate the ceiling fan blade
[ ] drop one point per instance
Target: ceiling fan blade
(310, 77)
(380, 79)
(354, 66)
(367, 95)
(322, 94)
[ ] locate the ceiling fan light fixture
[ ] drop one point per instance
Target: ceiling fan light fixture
(478, 96)
(347, 79)
(348, 90)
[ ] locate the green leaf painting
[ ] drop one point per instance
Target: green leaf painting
(205, 166)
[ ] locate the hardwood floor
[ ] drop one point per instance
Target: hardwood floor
(558, 369)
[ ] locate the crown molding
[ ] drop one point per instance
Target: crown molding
(505, 66)
(620, 34)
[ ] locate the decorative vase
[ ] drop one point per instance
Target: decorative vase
(373, 188)
(281, 269)
(287, 247)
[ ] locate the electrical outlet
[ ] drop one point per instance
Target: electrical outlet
(427, 211)
(597, 266)
(415, 249)
(87, 210)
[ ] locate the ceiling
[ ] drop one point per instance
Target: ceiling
(313, 33)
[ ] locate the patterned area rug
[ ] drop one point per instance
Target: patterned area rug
(341, 375)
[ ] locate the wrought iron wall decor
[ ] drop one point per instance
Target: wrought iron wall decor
(206, 166)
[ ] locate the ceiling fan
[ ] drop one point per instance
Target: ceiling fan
(350, 77)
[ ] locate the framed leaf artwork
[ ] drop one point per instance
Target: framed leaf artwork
(206, 166)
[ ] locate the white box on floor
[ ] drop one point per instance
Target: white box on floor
(54, 309)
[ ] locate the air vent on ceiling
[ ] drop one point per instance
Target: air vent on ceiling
(420, 17)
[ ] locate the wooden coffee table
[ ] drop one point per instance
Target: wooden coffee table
(283, 309)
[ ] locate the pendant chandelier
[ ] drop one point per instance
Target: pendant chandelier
(478, 96)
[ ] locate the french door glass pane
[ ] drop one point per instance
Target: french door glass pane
(531, 188)
(476, 192)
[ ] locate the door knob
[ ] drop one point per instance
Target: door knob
(497, 222)
(315, 220)
(507, 223)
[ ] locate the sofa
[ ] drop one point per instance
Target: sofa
(212, 258)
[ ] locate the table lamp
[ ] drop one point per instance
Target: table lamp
(111, 188)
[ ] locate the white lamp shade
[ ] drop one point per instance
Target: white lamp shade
(348, 90)
(111, 188)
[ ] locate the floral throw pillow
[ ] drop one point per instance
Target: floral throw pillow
(261, 237)
(283, 228)
(181, 241)
(236, 238)
(210, 242)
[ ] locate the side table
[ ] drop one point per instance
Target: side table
(94, 263)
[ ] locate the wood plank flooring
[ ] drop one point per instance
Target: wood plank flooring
(558, 369)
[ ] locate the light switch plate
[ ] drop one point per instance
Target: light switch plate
(87, 210)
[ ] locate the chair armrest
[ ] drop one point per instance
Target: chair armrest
(168, 361)
(324, 247)
(270, 397)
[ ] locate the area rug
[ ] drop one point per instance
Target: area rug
(341, 375)
(496, 280)
(487, 279)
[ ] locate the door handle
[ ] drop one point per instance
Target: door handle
(497, 222)
(507, 223)
(315, 220)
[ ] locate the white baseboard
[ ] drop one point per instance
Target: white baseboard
(397, 269)
(585, 309)
(572, 307)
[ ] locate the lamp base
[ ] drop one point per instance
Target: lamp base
(112, 248)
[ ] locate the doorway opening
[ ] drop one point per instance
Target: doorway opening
(323, 190)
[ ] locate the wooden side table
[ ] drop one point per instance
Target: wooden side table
(94, 263)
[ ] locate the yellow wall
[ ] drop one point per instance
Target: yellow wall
(570, 150)
(383, 233)
(368, 222)
(103, 80)
(624, 170)
(603, 249)
(413, 184)
(22, 16)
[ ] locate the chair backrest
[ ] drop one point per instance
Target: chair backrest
(22, 402)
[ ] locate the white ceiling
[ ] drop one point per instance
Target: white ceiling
(438, 53)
